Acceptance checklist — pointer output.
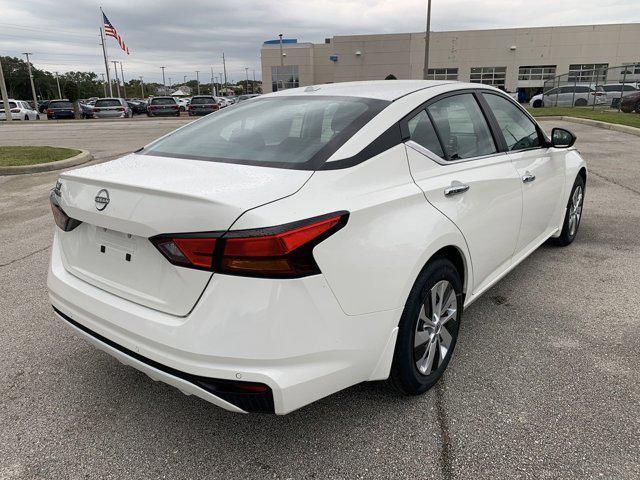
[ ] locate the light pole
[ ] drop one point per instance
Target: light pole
(124, 87)
(246, 74)
(164, 83)
(5, 97)
(425, 72)
(33, 88)
(221, 87)
(115, 67)
(170, 82)
(58, 83)
(253, 85)
(104, 85)
(142, 87)
(198, 80)
(282, 53)
(184, 79)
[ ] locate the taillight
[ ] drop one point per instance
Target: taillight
(192, 107)
(96, 110)
(63, 221)
(49, 111)
(175, 107)
(285, 251)
(15, 110)
(121, 109)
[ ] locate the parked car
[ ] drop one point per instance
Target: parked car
(202, 105)
(20, 110)
(86, 110)
(111, 108)
(231, 99)
(43, 105)
(575, 95)
(138, 107)
(183, 103)
(163, 107)
(275, 253)
(536, 101)
(247, 96)
(60, 109)
(222, 101)
(631, 103)
(615, 91)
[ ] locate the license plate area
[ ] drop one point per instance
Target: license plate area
(116, 245)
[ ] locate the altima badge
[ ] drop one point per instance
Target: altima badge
(102, 200)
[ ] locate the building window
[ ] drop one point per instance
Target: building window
(442, 74)
(283, 77)
(489, 76)
(587, 73)
(542, 72)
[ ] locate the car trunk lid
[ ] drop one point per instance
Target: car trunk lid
(140, 196)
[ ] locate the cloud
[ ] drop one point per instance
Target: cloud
(190, 36)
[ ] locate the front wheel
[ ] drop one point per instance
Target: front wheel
(428, 329)
(537, 104)
(573, 215)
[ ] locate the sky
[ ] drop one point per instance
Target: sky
(189, 36)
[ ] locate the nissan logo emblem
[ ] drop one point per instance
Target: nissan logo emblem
(102, 200)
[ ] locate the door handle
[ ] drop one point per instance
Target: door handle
(528, 177)
(456, 189)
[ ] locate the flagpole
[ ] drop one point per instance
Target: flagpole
(104, 52)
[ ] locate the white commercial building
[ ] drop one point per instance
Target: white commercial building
(513, 58)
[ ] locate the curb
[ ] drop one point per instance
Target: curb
(595, 123)
(83, 157)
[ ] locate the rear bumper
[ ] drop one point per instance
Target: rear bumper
(290, 335)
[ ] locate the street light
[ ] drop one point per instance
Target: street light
(425, 73)
(282, 54)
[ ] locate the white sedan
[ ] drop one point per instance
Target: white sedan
(20, 110)
(273, 253)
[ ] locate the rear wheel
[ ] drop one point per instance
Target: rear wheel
(428, 329)
(581, 102)
(572, 216)
(636, 107)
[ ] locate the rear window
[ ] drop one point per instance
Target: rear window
(108, 102)
(202, 100)
(163, 101)
(283, 132)
(61, 105)
(11, 105)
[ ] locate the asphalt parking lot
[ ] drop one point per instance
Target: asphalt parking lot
(545, 382)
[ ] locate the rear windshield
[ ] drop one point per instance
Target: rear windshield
(202, 100)
(283, 132)
(163, 101)
(108, 102)
(11, 105)
(61, 105)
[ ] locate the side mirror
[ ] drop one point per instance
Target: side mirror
(561, 138)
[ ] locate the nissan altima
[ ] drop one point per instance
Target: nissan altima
(282, 249)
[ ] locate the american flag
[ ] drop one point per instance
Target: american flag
(110, 31)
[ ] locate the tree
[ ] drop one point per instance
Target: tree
(71, 91)
(391, 76)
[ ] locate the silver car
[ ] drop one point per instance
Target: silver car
(111, 108)
(575, 96)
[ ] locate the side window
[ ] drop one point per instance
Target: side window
(422, 132)
(519, 131)
(569, 89)
(552, 91)
(462, 127)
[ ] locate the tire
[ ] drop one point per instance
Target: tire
(581, 102)
(37, 117)
(411, 371)
(573, 215)
(636, 107)
(26, 117)
(537, 104)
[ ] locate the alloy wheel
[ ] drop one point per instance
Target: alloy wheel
(433, 336)
(575, 210)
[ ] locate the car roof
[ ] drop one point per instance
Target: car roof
(377, 89)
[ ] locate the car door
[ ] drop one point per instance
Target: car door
(541, 173)
(455, 160)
